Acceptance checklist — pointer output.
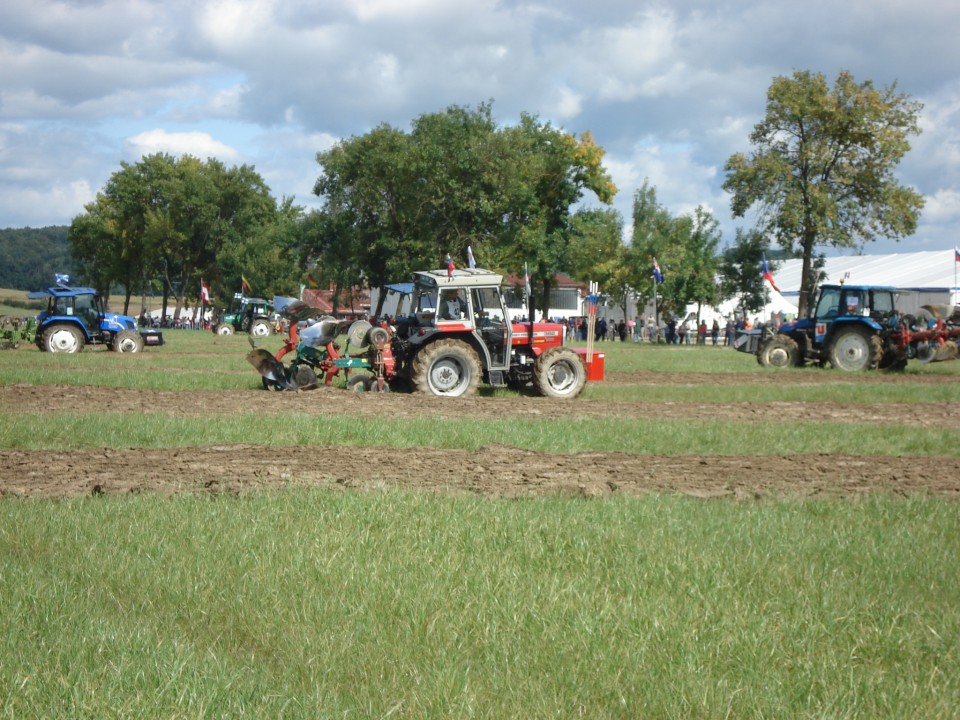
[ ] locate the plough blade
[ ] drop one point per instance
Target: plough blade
(271, 368)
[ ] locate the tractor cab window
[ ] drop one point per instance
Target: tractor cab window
(425, 305)
(829, 305)
(854, 303)
(85, 309)
(881, 304)
(491, 318)
(453, 306)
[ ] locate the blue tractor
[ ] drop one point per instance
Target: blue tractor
(75, 316)
(851, 327)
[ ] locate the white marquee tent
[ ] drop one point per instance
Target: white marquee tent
(928, 277)
(923, 277)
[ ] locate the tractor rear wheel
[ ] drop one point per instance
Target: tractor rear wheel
(63, 339)
(447, 368)
(223, 329)
(779, 351)
(260, 328)
(127, 341)
(855, 348)
(559, 373)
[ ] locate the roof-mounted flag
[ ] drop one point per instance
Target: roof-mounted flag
(61, 279)
(450, 266)
(767, 275)
(244, 285)
(657, 275)
(471, 263)
(956, 253)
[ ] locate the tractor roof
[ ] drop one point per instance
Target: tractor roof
(473, 277)
(61, 291)
(848, 286)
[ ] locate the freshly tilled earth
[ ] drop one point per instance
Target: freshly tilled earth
(496, 471)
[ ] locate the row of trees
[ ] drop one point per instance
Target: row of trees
(161, 224)
(397, 201)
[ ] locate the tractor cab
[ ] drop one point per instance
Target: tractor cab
(468, 303)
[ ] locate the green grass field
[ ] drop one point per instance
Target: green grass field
(393, 604)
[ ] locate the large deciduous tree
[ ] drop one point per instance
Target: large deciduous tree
(399, 202)
(821, 172)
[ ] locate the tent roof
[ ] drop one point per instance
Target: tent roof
(932, 270)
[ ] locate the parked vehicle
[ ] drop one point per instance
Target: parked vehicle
(246, 314)
(76, 316)
(857, 327)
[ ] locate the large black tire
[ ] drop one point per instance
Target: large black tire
(127, 341)
(559, 373)
(260, 328)
(447, 368)
(779, 351)
(223, 329)
(855, 348)
(62, 338)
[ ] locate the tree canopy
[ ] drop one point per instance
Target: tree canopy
(401, 201)
(821, 172)
(163, 223)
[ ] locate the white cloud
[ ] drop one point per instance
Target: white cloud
(669, 89)
(199, 144)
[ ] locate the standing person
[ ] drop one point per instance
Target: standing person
(715, 331)
(702, 333)
(651, 328)
(602, 329)
(671, 333)
(683, 332)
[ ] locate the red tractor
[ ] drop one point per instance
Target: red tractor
(457, 334)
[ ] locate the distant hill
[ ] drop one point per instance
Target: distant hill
(30, 257)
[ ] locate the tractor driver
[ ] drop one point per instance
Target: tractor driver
(453, 306)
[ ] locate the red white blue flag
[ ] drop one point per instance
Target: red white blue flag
(956, 253)
(450, 267)
(767, 275)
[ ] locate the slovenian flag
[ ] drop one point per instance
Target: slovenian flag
(657, 275)
(767, 275)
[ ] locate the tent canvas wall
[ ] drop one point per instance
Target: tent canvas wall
(928, 277)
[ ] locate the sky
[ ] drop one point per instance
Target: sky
(669, 89)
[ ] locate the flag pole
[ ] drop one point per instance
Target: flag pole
(592, 298)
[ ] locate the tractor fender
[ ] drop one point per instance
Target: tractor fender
(429, 335)
(63, 320)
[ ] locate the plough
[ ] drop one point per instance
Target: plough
(311, 355)
(15, 330)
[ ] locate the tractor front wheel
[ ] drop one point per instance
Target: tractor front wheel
(447, 368)
(855, 348)
(63, 339)
(223, 329)
(779, 351)
(127, 341)
(559, 373)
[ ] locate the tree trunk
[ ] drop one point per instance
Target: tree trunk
(805, 274)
